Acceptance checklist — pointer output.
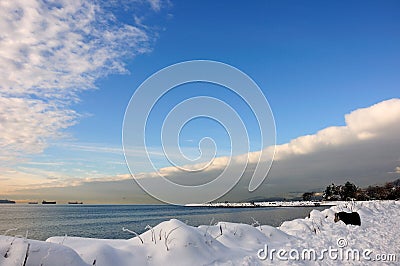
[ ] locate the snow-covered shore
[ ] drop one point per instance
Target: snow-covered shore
(175, 243)
(266, 204)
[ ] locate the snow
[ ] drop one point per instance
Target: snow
(264, 204)
(176, 243)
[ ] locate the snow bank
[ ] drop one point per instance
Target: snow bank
(20, 251)
(176, 243)
(264, 204)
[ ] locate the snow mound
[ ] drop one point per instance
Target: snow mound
(21, 251)
(176, 243)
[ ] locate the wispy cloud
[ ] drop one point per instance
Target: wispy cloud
(26, 124)
(55, 50)
(106, 149)
(49, 52)
(31, 177)
(155, 4)
(97, 148)
(101, 148)
(46, 163)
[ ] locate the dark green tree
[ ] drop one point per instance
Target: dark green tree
(394, 193)
(307, 196)
(332, 192)
(348, 191)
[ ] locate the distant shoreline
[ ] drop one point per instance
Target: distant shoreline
(265, 204)
(213, 205)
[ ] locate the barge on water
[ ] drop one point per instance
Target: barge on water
(6, 201)
(74, 202)
(49, 202)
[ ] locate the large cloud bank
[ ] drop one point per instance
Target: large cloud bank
(366, 150)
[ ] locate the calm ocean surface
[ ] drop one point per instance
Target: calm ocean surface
(106, 221)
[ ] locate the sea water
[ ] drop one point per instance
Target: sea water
(106, 221)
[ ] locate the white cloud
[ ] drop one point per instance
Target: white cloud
(379, 120)
(49, 52)
(334, 154)
(155, 4)
(52, 50)
(26, 124)
(397, 170)
(364, 150)
(33, 178)
(101, 148)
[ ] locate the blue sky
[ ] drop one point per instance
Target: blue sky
(314, 61)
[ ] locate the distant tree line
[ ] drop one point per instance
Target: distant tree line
(349, 191)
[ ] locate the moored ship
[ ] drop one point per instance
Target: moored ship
(49, 202)
(74, 202)
(6, 201)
